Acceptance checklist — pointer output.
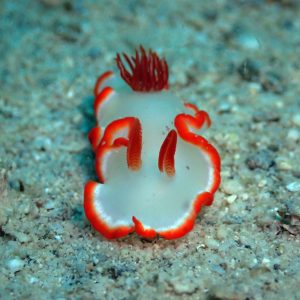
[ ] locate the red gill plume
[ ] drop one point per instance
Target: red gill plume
(148, 72)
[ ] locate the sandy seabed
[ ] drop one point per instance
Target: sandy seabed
(238, 60)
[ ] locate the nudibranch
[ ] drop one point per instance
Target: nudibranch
(155, 170)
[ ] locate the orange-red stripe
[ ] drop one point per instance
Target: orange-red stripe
(166, 162)
(95, 218)
(205, 198)
(134, 148)
(183, 122)
(95, 137)
(112, 141)
(101, 98)
(100, 80)
(148, 233)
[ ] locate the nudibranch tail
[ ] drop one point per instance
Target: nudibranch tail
(148, 71)
(98, 223)
(148, 233)
(204, 199)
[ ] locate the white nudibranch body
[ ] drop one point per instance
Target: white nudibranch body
(155, 170)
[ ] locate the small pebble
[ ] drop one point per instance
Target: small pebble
(17, 185)
(42, 143)
(230, 199)
(218, 269)
(70, 93)
(33, 280)
(272, 82)
(254, 88)
(57, 237)
(248, 70)
(262, 183)
(262, 159)
(224, 108)
(276, 267)
(50, 205)
(293, 135)
(296, 119)
(296, 173)
(15, 264)
(211, 243)
(245, 196)
(265, 116)
(231, 187)
(222, 232)
(293, 186)
(22, 237)
(248, 41)
(183, 286)
(274, 146)
(283, 164)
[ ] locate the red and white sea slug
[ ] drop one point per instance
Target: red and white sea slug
(155, 170)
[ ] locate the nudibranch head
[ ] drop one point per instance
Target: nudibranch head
(155, 169)
(149, 72)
